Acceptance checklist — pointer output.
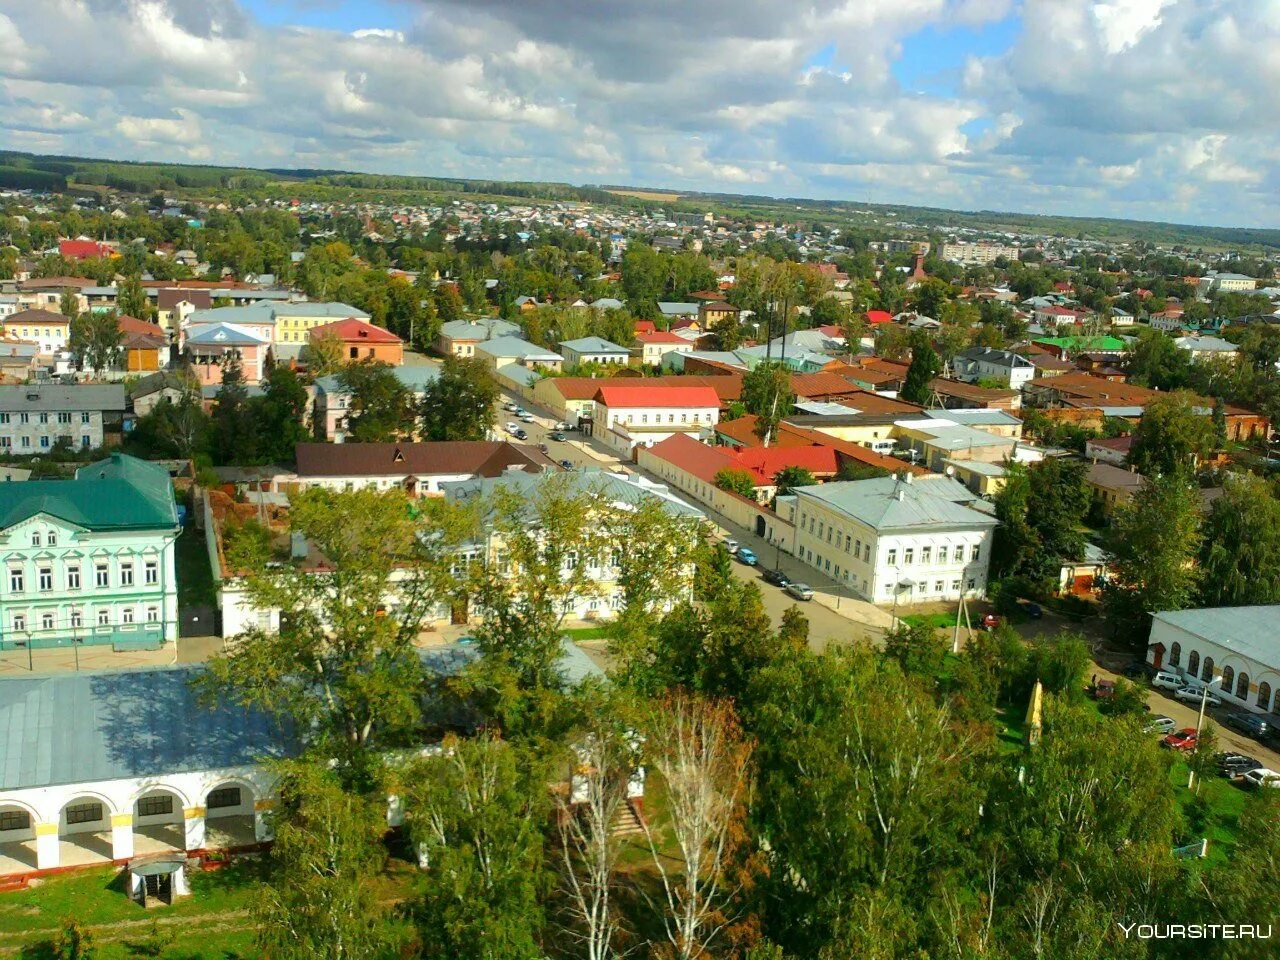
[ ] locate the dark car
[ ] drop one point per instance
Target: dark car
(1032, 610)
(522, 435)
(1232, 765)
(1138, 670)
(1251, 725)
(776, 577)
(567, 464)
(558, 436)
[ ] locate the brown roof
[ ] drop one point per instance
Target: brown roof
(34, 316)
(809, 385)
(135, 327)
(475, 458)
(55, 283)
(170, 297)
(969, 391)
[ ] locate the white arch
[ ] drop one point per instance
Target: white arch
(158, 788)
(234, 781)
(108, 806)
(26, 808)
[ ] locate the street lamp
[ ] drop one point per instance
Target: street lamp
(897, 588)
(1204, 697)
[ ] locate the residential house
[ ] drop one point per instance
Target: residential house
(211, 346)
(145, 345)
(914, 538)
(333, 399)
(986, 363)
(175, 305)
(294, 320)
(85, 249)
(1202, 348)
(652, 349)
(502, 351)
(50, 331)
(90, 560)
(1235, 646)
(956, 395)
(572, 399)
(459, 338)
(34, 417)
(362, 340)
(1113, 487)
(593, 350)
(643, 414)
(418, 469)
(715, 312)
(938, 440)
(1112, 450)
(691, 466)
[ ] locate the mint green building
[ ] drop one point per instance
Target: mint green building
(89, 560)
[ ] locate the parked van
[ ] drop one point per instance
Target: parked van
(883, 447)
(1167, 680)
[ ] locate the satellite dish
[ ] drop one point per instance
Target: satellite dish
(951, 471)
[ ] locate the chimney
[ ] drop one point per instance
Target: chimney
(899, 494)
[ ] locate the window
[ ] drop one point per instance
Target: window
(84, 417)
(155, 806)
(44, 442)
(153, 614)
(1264, 695)
(4, 418)
(1193, 663)
(1228, 678)
(955, 584)
(84, 813)
(26, 442)
(102, 575)
(126, 615)
(223, 797)
(942, 554)
(571, 560)
(857, 548)
(46, 621)
(104, 618)
(85, 442)
(52, 538)
(1206, 674)
(908, 556)
(17, 581)
(19, 622)
(64, 417)
(126, 574)
(1242, 687)
(892, 558)
(44, 418)
(73, 577)
(972, 583)
(937, 586)
(926, 554)
(77, 619)
(866, 553)
(35, 538)
(974, 551)
(1175, 654)
(6, 443)
(15, 820)
(46, 578)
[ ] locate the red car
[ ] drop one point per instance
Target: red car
(990, 622)
(1104, 690)
(1181, 740)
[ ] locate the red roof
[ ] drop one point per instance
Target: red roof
(765, 462)
(728, 388)
(84, 249)
(879, 316)
(659, 336)
(353, 330)
(645, 326)
(693, 457)
(658, 396)
(132, 326)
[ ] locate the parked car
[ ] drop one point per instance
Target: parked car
(512, 427)
(525, 417)
(1260, 777)
(544, 448)
(558, 436)
(801, 591)
(777, 578)
(1232, 765)
(1161, 725)
(1138, 670)
(567, 464)
(1166, 680)
(1104, 690)
(731, 546)
(747, 556)
(1195, 695)
(510, 407)
(560, 425)
(521, 434)
(1182, 740)
(1032, 610)
(990, 621)
(1250, 724)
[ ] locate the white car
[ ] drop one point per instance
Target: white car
(512, 427)
(731, 546)
(1194, 695)
(525, 418)
(1166, 680)
(1261, 777)
(1160, 725)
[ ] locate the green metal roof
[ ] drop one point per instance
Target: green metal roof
(1084, 343)
(119, 493)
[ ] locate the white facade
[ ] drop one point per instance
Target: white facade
(625, 428)
(1235, 645)
(977, 253)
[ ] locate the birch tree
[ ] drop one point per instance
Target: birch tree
(698, 750)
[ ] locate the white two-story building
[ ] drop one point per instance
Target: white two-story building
(626, 417)
(917, 537)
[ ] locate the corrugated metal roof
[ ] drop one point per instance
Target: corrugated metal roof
(49, 397)
(886, 503)
(119, 493)
(1248, 631)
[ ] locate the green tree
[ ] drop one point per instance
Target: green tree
(381, 407)
(1171, 436)
(281, 413)
(235, 432)
(1040, 509)
(1240, 551)
(96, 339)
(460, 403)
(322, 899)
(788, 478)
(925, 366)
(1153, 542)
(323, 355)
(735, 480)
(131, 299)
(476, 820)
(341, 665)
(767, 394)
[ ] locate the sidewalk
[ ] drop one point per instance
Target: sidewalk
(15, 663)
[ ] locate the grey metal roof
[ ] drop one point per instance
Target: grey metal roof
(516, 347)
(47, 397)
(252, 313)
(891, 503)
(581, 481)
(485, 328)
(593, 345)
(1248, 631)
(111, 725)
(338, 311)
(976, 417)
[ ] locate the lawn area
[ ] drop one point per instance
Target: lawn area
(1215, 814)
(214, 923)
(195, 578)
(578, 634)
(938, 621)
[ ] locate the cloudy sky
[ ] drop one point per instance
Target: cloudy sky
(1156, 109)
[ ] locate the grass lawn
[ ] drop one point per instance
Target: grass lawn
(1215, 814)
(586, 633)
(938, 621)
(195, 578)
